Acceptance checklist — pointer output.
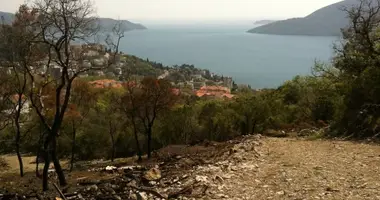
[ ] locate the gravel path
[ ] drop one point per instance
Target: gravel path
(278, 168)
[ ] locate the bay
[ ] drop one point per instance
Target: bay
(262, 61)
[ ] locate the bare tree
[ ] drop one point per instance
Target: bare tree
(60, 23)
(360, 38)
(113, 39)
(16, 57)
(128, 105)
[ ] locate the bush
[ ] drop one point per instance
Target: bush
(3, 164)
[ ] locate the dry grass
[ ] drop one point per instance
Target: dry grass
(28, 161)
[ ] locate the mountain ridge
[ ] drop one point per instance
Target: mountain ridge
(326, 21)
(106, 23)
(264, 22)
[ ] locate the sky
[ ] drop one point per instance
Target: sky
(197, 10)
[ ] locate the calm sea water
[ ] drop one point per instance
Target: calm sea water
(258, 60)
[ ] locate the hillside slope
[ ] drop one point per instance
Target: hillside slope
(326, 21)
(251, 167)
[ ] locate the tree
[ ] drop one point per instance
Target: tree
(107, 106)
(153, 98)
(58, 24)
(17, 55)
(113, 39)
(358, 60)
(129, 106)
(4, 98)
(82, 100)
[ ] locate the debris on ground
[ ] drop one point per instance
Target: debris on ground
(250, 167)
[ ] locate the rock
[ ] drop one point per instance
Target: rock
(306, 132)
(186, 162)
(363, 185)
(153, 183)
(274, 133)
(93, 188)
(203, 179)
(141, 196)
(132, 183)
(227, 176)
(280, 193)
(117, 197)
(111, 168)
(58, 198)
(221, 196)
(153, 174)
(133, 196)
(330, 189)
(218, 178)
(80, 197)
(109, 190)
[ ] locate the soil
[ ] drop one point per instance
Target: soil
(251, 167)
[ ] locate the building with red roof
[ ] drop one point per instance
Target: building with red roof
(214, 91)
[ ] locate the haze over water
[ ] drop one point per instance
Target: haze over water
(258, 60)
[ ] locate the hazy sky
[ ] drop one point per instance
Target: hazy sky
(197, 10)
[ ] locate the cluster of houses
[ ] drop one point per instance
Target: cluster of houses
(214, 91)
(86, 56)
(203, 92)
(96, 57)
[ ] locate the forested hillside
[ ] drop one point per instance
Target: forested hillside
(327, 21)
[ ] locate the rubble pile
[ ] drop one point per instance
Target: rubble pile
(186, 176)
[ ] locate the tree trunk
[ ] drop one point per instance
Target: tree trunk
(46, 170)
(73, 148)
(111, 129)
(50, 148)
(18, 136)
(57, 165)
(247, 124)
(20, 160)
(137, 143)
(39, 150)
(254, 126)
(149, 142)
(37, 161)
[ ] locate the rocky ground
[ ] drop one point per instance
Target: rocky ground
(252, 167)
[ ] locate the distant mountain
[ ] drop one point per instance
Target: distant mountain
(108, 24)
(105, 23)
(263, 22)
(326, 21)
(6, 17)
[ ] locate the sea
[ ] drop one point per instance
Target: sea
(258, 60)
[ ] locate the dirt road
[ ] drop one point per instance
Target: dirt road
(279, 168)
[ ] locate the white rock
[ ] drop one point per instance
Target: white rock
(203, 179)
(111, 168)
(141, 196)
